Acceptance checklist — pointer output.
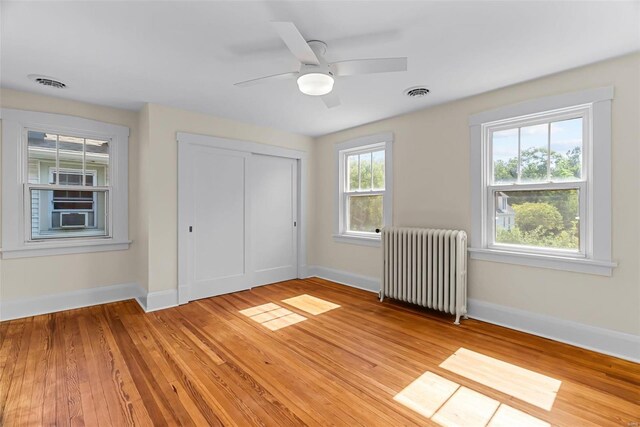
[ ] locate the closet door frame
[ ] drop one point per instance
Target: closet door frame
(186, 143)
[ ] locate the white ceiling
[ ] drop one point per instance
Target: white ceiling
(188, 55)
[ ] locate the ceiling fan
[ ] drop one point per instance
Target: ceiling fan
(316, 76)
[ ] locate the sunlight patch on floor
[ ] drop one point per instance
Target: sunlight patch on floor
(506, 416)
(448, 404)
(272, 316)
(531, 387)
(427, 394)
(466, 408)
(284, 321)
(259, 309)
(311, 304)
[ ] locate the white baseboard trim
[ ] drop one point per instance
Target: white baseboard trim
(26, 307)
(613, 343)
(606, 341)
(303, 271)
(370, 284)
(159, 300)
(141, 299)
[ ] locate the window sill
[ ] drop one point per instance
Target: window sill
(579, 265)
(357, 240)
(36, 249)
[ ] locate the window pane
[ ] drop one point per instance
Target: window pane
(378, 170)
(505, 155)
(42, 155)
(534, 153)
(365, 213)
(353, 177)
(365, 171)
(566, 150)
(68, 178)
(41, 148)
(70, 157)
(97, 159)
(62, 213)
(541, 218)
(73, 177)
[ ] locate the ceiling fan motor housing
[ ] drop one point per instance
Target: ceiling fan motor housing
(318, 47)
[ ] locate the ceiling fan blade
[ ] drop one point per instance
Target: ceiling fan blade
(368, 66)
(295, 42)
(331, 100)
(267, 79)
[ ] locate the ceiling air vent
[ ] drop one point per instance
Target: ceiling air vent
(47, 81)
(416, 92)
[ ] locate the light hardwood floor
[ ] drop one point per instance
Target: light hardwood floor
(308, 362)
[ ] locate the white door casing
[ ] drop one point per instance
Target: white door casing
(215, 255)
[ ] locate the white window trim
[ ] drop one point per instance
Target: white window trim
(16, 220)
(597, 256)
(385, 141)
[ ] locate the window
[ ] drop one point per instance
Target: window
(64, 185)
(364, 189)
(537, 186)
(536, 174)
(60, 170)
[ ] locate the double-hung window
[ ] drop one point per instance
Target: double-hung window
(537, 183)
(364, 188)
(541, 183)
(68, 186)
(65, 185)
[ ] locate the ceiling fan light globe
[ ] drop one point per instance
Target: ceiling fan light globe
(315, 84)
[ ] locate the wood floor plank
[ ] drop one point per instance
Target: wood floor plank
(112, 379)
(38, 336)
(15, 399)
(351, 361)
(73, 341)
(90, 373)
(120, 372)
(43, 357)
(142, 376)
(153, 379)
(9, 351)
(81, 408)
(199, 379)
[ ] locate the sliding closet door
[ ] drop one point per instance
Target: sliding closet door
(273, 217)
(219, 242)
(237, 220)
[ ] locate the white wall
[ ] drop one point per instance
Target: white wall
(432, 189)
(35, 277)
(142, 222)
